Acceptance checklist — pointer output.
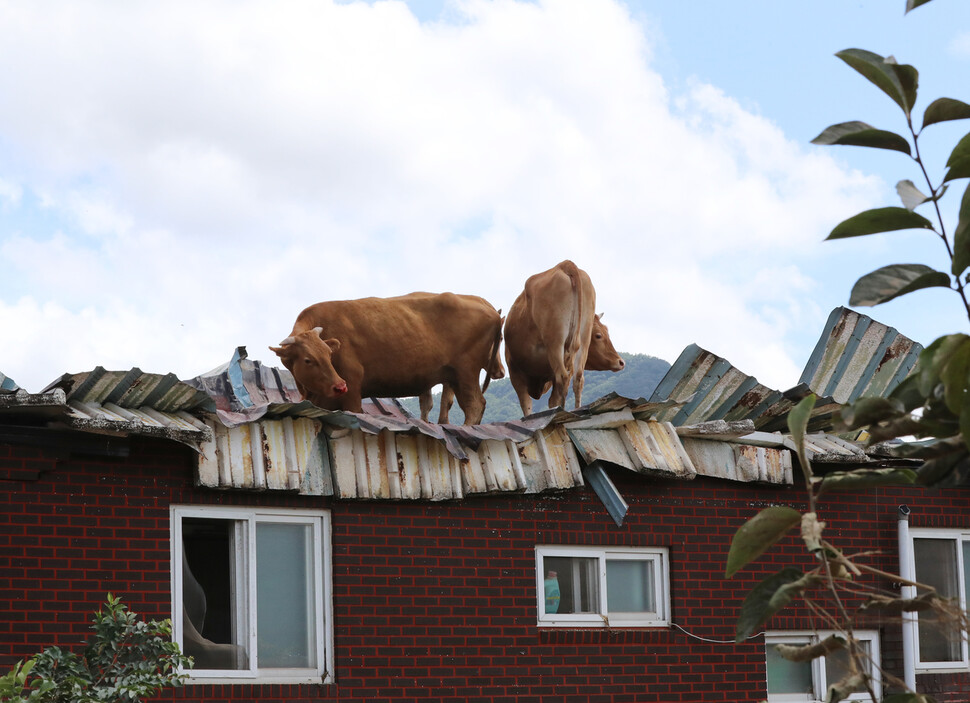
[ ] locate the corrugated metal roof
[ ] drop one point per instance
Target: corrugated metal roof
(254, 431)
(857, 356)
(7, 385)
(126, 402)
(854, 356)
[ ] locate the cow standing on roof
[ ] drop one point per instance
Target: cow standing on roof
(552, 334)
(340, 352)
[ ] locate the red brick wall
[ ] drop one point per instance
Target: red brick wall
(436, 601)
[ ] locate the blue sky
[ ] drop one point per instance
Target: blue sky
(183, 178)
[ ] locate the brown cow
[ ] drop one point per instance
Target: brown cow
(552, 334)
(493, 369)
(340, 352)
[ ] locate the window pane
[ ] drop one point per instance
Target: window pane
(936, 566)
(210, 594)
(785, 676)
(837, 664)
(578, 584)
(285, 607)
(630, 586)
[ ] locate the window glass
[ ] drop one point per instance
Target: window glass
(578, 583)
(786, 676)
(284, 595)
(211, 595)
(837, 665)
(630, 586)
(936, 566)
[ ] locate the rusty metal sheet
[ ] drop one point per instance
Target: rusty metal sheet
(857, 356)
(557, 459)
(269, 455)
(739, 462)
(707, 387)
(656, 446)
(601, 445)
(763, 464)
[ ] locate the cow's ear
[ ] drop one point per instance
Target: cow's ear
(333, 343)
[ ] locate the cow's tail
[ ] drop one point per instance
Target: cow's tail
(576, 321)
(493, 355)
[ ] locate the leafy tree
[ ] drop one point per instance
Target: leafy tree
(932, 405)
(127, 659)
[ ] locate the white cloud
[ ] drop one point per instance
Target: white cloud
(218, 166)
(959, 46)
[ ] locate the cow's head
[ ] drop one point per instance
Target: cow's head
(602, 356)
(309, 358)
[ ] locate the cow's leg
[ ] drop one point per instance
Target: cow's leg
(425, 402)
(447, 400)
(470, 397)
(578, 382)
(560, 381)
(520, 383)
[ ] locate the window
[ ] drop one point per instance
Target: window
(251, 593)
(591, 587)
(790, 682)
(942, 560)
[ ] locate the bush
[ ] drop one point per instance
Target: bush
(127, 659)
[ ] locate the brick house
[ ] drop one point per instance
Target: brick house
(305, 555)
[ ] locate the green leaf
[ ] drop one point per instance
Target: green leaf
(954, 375)
(911, 196)
(757, 534)
(861, 134)
(770, 596)
(888, 282)
(907, 393)
(911, 5)
(798, 418)
(884, 219)
(867, 478)
(946, 471)
(934, 358)
(945, 110)
(959, 161)
(903, 427)
(898, 81)
(867, 411)
(961, 237)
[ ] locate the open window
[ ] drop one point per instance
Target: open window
(807, 682)
(251, 593)
(593, 587)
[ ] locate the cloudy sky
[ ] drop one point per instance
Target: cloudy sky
(178, 179)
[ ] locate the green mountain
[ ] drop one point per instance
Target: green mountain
(637, 380)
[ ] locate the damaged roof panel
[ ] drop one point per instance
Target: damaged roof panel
(857, 356)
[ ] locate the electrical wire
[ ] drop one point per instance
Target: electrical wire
(704, 639)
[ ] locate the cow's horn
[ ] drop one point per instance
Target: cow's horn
(318, 331)
(288, 340)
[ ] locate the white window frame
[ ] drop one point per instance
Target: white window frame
(658, 555)
(958, 537)
(819, 682)
(244, 565)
